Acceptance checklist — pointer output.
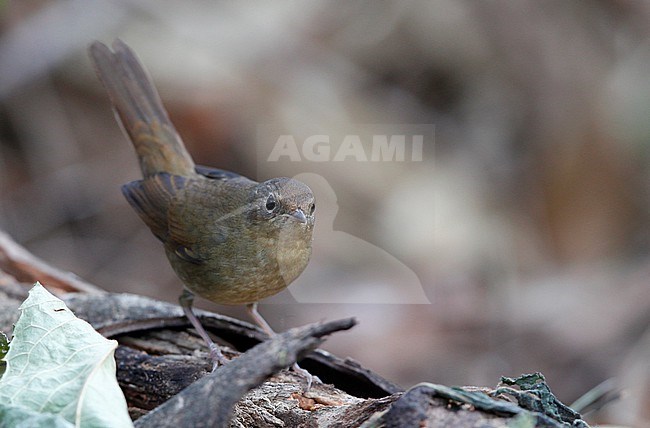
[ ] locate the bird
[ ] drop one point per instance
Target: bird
(230, 240)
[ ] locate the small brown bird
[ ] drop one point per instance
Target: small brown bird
(231, 240)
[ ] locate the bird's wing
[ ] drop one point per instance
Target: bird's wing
(152, 198)
(216, 174)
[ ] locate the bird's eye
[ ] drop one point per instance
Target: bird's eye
(271, 204)
(312, 208)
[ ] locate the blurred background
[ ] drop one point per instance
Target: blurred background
(526, 223)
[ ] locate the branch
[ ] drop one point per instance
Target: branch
(210, 400)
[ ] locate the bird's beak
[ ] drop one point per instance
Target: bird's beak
(299, 216)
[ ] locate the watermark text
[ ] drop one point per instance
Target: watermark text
(323, 148)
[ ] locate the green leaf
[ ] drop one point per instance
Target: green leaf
(4, 347)
(58, 366)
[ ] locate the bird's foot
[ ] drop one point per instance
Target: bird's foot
(260, 321)
(304, 373)
(216, 356)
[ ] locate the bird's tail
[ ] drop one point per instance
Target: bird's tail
(140, 111)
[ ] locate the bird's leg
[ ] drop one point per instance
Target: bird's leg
(259, 320)
(186, 299)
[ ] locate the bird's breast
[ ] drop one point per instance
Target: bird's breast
(249, 267)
